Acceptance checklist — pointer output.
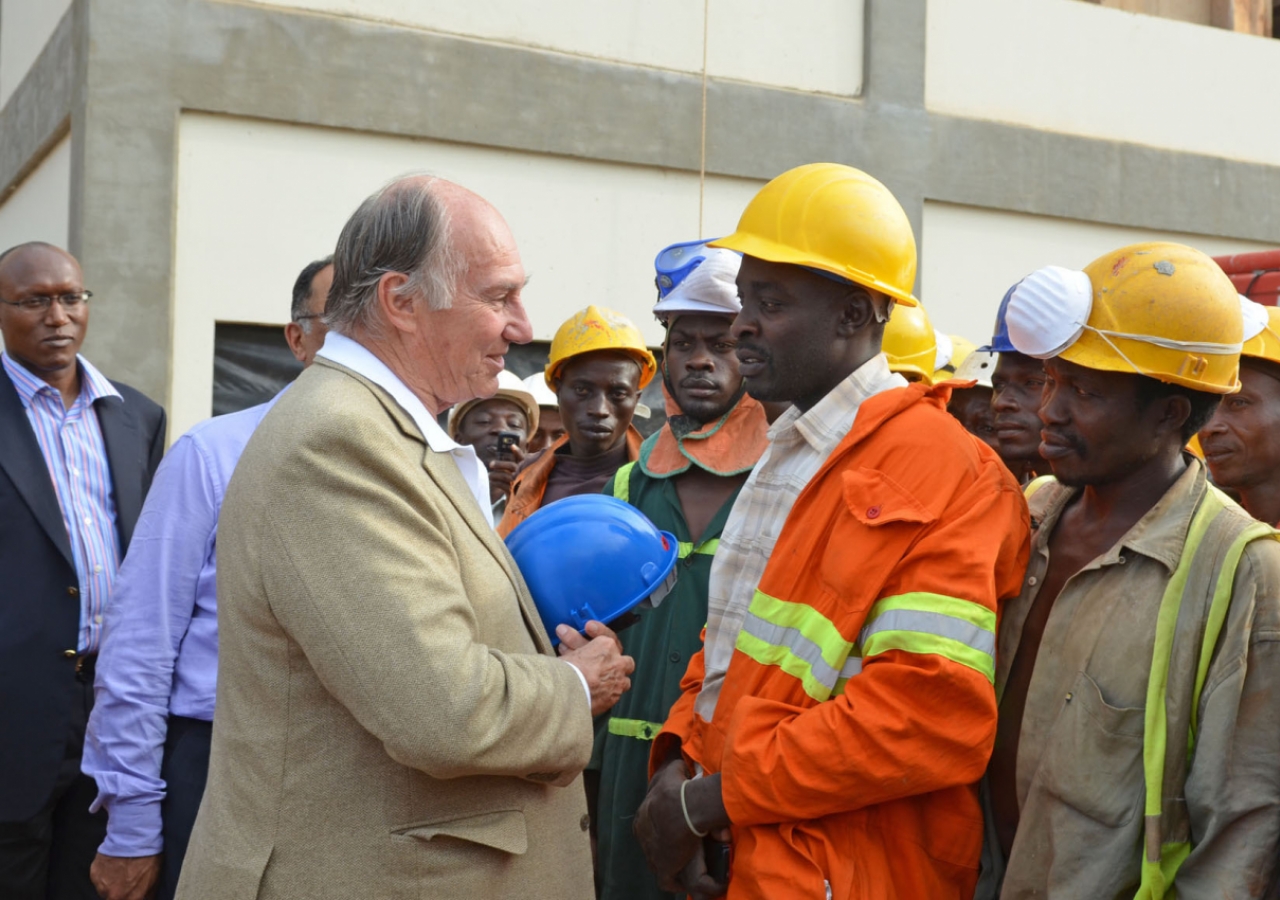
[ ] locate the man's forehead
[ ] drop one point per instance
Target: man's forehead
(693, 324)
(496, 405)
(36, 265)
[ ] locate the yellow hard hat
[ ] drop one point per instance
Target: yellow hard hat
(1266, 344)
(1166, 311)
(910, 344)
(833, 218)
(596, 328)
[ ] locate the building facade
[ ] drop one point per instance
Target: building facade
(195, 154)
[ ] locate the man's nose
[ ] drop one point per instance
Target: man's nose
(596, 407)
(56, 314)
(519, 330)
(1217, 424)
(742, 324)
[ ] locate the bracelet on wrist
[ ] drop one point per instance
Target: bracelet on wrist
(684, 807)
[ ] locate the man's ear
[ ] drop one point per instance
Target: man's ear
(293, 337)
(398, 307)
(1176, 410)
(857, 311)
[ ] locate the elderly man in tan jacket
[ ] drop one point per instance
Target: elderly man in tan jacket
(391, 721)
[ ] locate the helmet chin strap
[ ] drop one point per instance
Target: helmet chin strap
(1204, 347)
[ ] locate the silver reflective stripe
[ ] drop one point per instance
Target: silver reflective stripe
(852, 666)
(932, 623)
(792, 640)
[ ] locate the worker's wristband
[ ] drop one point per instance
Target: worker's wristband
(684, 806)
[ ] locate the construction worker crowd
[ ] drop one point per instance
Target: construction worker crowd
(948, 621)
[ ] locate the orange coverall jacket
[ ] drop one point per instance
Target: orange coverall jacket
(900, 549)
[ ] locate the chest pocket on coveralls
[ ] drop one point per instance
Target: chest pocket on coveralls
(884, 520)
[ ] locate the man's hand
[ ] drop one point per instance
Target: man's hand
(599, 658)
(696, 882)
(659, 826)
(125, 877)
(502, 472)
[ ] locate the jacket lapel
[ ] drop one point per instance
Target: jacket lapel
(444, 472)
(21, 458)
(124, 459)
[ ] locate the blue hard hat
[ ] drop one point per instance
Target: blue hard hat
(592, 557)
(673, 264)
(1000, 342)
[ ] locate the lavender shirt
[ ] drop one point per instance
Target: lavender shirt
(159, 653)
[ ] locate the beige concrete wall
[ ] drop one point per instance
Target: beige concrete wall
(972, 256)
(40, 209)
(812, 46)
(25, 26)
(1077, 68)
(256, 201)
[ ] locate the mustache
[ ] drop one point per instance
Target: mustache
(751, 350)
(1065, 437)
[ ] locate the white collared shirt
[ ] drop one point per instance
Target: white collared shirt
(355, 356)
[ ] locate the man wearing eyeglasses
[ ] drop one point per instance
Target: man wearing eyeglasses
(305, 331)
(77, 454)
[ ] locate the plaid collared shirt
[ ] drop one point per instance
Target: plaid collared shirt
(799, 443)
(76, 455)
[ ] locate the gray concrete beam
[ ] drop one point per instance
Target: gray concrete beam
(37, 113)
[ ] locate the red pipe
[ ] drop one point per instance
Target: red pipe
(1256, 275)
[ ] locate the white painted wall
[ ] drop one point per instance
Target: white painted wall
(25, 27)
(971, 256)
(1068, 66)
(258, 200)
(40, 209)
(814, 46)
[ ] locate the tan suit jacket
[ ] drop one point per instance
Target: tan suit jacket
(391, 722)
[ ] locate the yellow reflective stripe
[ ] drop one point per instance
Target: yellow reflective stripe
(922, 622)
(706, 548)
(622, 483)
(767, 654)
(635, 728)
(796, 638)
(923, 601)
(811, 624)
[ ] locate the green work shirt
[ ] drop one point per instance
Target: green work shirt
(661, 643)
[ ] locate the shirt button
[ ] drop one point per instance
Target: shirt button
(1032, 581)
(88, 521)
(97, 620)
(97, 568)
(674, 657)
(75, 471)
(873, 512)
(1123, 560)
(73, 591)
(584, 823)
(69, 654)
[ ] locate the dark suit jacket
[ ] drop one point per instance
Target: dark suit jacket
(39, 602)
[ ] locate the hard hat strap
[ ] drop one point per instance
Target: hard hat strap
(1167, 343)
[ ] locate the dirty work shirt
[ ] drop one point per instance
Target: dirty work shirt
(661, 644)
(1079, 775)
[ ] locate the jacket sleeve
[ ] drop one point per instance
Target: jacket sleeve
(1233, 788)
(920, 716)
(362, 566)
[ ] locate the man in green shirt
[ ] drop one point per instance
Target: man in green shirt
(685, 480)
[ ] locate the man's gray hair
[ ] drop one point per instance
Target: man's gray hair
(402, 228)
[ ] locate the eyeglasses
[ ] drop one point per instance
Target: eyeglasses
(42, 302)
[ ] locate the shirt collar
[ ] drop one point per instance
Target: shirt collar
(826, 423)
(1161, 533)
(93, 384)
(358, 358)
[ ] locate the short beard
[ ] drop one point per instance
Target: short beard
(687, 423)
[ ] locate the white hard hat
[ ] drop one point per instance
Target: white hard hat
(712, 287)
(510, 387)
(945, 350)
(536, 384)
(978, 366)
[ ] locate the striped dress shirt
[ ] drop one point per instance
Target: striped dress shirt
(76, 456)
(799, 443)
